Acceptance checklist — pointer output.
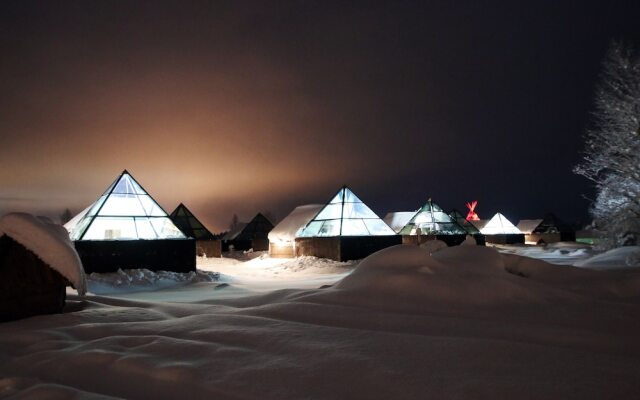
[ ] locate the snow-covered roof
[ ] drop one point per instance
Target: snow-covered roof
(499, 225)
(232, 234)
(49, 242)
(397, 220)
(286, 230)
(528, 225)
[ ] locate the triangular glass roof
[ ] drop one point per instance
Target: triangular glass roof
(499, 225)
(189, 224)
(345, 215)
(125, 211)
(432, 220)
(462, 221)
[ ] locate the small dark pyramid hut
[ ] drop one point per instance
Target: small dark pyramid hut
(206, 242)
(550, 229)
(252, 235)
(467, 226)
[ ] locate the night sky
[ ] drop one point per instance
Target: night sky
(240, 107)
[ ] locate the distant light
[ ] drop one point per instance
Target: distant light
(471, 215)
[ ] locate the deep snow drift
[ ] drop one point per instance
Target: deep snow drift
(464, 322)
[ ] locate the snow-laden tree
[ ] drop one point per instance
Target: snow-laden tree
(612, 152)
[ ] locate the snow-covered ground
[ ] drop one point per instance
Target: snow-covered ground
(407, 322)
(563, 253)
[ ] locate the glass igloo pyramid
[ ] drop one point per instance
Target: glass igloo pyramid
(345, 215)
(189, 224)
(432, 220)
(125, 211)
(498, 225)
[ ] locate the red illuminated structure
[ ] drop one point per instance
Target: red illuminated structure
(471, 215)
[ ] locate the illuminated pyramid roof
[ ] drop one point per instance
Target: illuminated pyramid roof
(345, 215)
(184, 219)
(125, 211)
(499, 225)
(432, 220)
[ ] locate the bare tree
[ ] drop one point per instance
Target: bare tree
(611, 157)
(234, 223)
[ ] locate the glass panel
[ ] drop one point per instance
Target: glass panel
(423, 218)
(96, 206)
(354, 227)
(441, 217)
(499, 225)
(331, 211)
(358, 210)
(77, 231)
(166, 229)
(194, 223)
(121, 205)
(310, 230)
(104, 228)
(145, 230)
(377, 227)
(349, 197)
(338, 198)
(330, 228)
(127, 185)
(150, 206)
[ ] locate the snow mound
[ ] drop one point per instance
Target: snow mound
(409, 277)
(620, 258)
(48, 241)
(405, 325)
(434, 245)
(133, 280)
(469, 241)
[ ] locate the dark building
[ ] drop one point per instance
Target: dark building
(207, 244)
(252, 235)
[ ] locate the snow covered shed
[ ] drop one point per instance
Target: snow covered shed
(397, 220)
(550, 229)
(207, 245)
(127, 229)
(37, 263)
(252, 235)
(430, 222)
(282, 238)
(344, 229)
(500, 230)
